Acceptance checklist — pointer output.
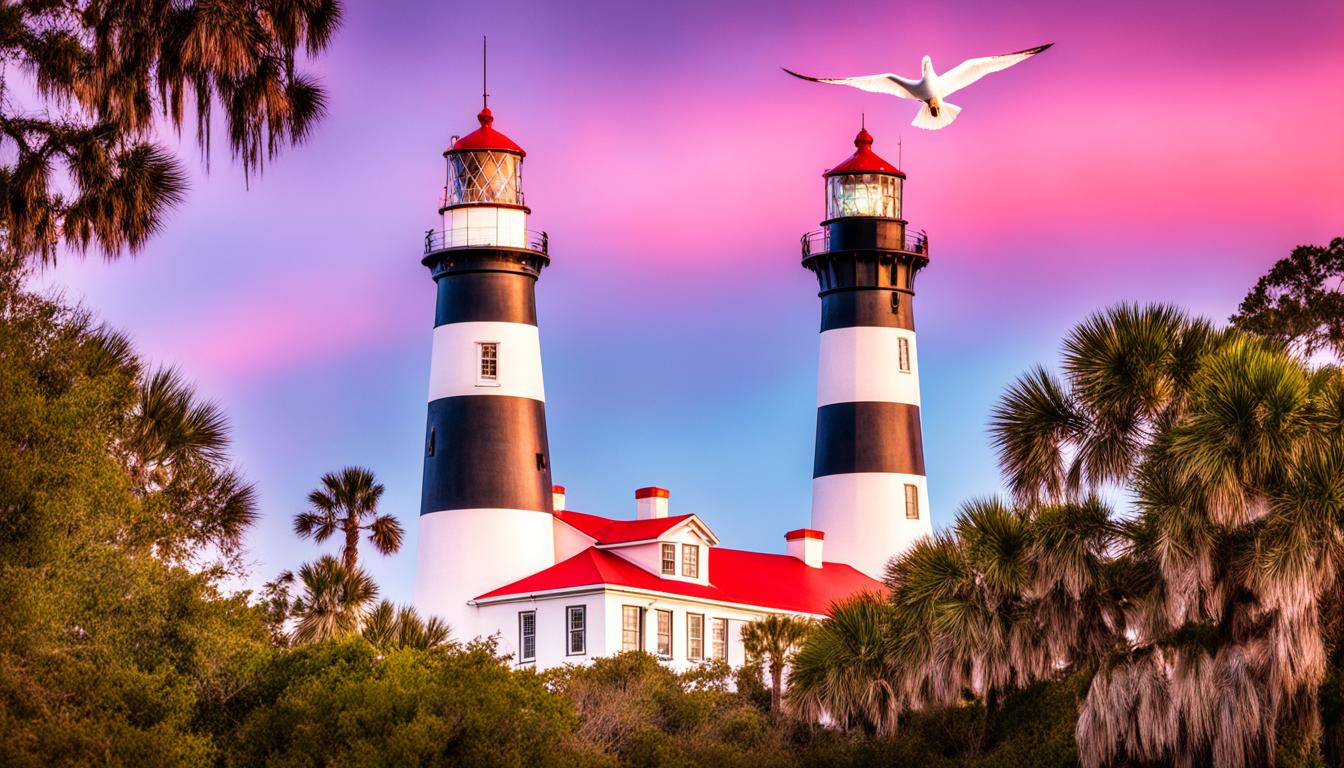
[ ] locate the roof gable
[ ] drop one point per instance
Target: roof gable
(605, 531)
(777, 582)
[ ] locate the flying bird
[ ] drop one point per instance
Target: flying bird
(931, 88)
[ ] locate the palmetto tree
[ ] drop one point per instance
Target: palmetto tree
(772, 641)
(1231, 450)
(347, 502)
(845, 669)
(334, 600)
(89, 80)
(389, 627)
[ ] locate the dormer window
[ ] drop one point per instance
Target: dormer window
(690, 561)
(669, 560)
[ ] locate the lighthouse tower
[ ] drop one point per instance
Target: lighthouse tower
(485, 513)
(869, 493)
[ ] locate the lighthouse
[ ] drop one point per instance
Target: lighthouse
(485, 514)
(869, 492)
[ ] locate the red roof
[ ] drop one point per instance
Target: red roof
(486, 137)
(864, 160)
(607, 531)
(781, 582)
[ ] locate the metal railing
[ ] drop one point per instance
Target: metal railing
(500, 236)
(819, 241)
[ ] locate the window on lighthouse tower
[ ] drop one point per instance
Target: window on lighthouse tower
(903, 354)
(488, 357)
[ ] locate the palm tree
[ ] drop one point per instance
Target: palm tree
(334, 600)
(175, 447)
(772, 641)
(389, 627)
(845, 668)
(81, 165)
(1205, 605)
(348, 502)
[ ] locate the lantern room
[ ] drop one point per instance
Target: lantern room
(864, 185)
(483, 196)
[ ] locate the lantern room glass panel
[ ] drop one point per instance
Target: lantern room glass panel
(485, 177)
(863, 194)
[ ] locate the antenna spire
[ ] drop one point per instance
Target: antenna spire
(899, 154)
(863, 121)
(485, 93)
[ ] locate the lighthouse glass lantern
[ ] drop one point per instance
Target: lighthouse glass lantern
(865, 185)
(483, 196)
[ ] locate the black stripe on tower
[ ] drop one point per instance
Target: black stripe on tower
(857, 307)
(486, 451)
(486, 285)
(868, 437)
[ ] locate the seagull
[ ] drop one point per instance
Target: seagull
(931, 88)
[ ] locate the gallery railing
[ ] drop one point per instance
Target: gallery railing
(819, 241)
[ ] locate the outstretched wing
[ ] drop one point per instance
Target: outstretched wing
(887, 83)
(970, 70)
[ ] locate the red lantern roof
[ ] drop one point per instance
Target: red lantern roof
(486, 137)
(864, 160)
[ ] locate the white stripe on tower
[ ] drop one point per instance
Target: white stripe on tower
(863, 363)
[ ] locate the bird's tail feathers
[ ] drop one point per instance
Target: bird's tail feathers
(946, 114)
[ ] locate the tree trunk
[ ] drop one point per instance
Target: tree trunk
(350, 555)
(776, 683)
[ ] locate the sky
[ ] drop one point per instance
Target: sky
(1159, 151)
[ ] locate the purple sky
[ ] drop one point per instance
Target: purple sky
(1159, 151)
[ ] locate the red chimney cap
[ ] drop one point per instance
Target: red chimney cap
(557, 489)
(486, 138)
(864, 160)
(804, 533)
(652, 492)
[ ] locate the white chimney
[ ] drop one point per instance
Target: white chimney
(650, 503)
(558, 498)
(805, 544)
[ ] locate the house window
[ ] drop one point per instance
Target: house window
(632, 628)
(576, 639)
(669, 559)
(695, 636)
(718, 639)
(690, 561)
(527, 635)
(911, 501)
(903, 354)
(488, 353)
(664, 634)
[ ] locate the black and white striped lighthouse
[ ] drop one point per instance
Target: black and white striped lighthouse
(485, 513)
(869, 492)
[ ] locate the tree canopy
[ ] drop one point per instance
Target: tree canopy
(1300, 301)
(85, 82)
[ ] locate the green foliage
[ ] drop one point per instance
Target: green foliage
(1300, 302)
(636, 708)
(111, 647)
(347, 704)
(388, 627)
